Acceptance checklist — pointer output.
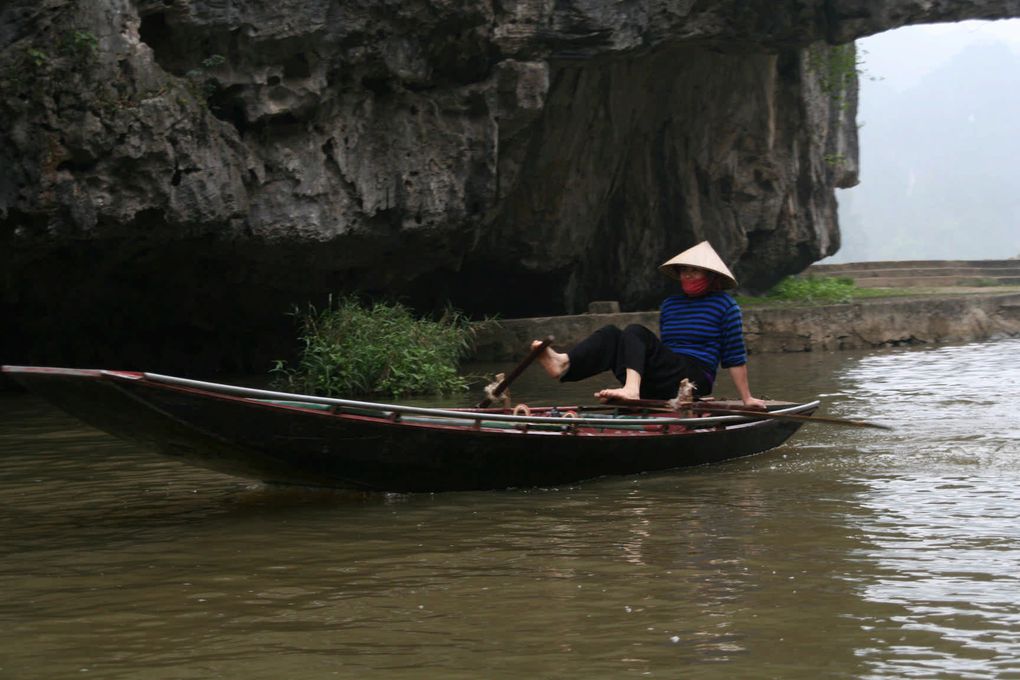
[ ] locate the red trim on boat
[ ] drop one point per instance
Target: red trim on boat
(124, 375)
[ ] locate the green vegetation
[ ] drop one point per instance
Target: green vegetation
(80, 45)
(837, 68)
(47, 59)
(982, 283)
(77, 47)
(201, 81)
(834, 160)
(36, 58)
(814, 289)
(827, 290)
(353, 349)
(811, 290)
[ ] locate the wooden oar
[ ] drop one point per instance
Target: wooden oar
(505, 383)
(750, 413)
(829, 420)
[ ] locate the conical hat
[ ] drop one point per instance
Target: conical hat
(702, 256)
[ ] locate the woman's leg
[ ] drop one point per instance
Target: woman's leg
(610, 349)
(600, 351)
(597, 353)
(635, 346)
(666, 369)
(661, 368)
(643, 365)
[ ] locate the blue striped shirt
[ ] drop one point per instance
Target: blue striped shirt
(708, 328)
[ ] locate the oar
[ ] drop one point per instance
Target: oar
(505, 383)
(702, 406)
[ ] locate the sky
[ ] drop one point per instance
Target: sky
(939, 123)
(901, 58)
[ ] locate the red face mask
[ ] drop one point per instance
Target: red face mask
(695, 287)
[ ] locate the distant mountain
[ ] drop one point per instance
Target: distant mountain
(940, 164)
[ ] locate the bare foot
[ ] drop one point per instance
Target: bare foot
(617, 393)
(554, 363)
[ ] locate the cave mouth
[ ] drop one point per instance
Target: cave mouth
(180, 52)
(155, 32)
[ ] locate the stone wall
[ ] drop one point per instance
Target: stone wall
(873, 323)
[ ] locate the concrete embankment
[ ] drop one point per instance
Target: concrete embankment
(869, 323)
(924, 273)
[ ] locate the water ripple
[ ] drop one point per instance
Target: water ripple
(845, 553)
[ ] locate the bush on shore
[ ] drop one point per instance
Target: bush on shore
(382, 349)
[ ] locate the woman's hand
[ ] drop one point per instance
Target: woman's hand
(739, 375)
(755, 404)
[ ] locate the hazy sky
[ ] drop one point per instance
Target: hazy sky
(902, 57)
(940, 133)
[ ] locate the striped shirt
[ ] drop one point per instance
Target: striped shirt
(708, 328)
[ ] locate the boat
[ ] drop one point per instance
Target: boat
(284, 438)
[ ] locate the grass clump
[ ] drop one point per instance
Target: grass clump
(814, 289)
(378, 349)
(808, 290)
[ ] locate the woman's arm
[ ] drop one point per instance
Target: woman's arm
(739, 376)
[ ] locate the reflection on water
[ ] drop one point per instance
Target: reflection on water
(944, 550)
(941, 522)
(845, 553)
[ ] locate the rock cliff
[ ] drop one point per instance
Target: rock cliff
(175, 175)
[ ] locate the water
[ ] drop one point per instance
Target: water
(845, 553)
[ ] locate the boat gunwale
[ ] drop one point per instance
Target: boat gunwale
(386, 411)
(389, 413)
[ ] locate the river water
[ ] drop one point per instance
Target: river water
(846, 553)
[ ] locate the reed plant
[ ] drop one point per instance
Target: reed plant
(378, 349)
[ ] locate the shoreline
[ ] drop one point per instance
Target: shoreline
(922, 317)
(932, 318)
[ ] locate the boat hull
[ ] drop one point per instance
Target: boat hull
(316, 446)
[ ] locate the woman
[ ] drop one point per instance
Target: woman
(701, 329)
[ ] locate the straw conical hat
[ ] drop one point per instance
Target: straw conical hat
(702, 256)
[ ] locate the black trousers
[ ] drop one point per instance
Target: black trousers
(636, 347)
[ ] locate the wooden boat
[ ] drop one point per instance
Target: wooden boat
(318, 441)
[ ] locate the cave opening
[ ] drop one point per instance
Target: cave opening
(155, 32)
(227, 105)
(296, 66)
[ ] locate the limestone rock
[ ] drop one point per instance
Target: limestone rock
(175, 175)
